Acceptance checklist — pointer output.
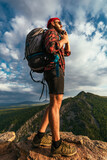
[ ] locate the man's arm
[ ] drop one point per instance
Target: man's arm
(51, 42)
(67, 47)
(65, 40)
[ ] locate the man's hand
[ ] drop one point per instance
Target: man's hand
(64, 39)
(65, 36)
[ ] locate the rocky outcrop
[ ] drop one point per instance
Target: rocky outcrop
(86, 149)
(6, 146)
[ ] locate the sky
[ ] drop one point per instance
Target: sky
(86, 67)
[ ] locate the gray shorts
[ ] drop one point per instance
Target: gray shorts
(55, 84)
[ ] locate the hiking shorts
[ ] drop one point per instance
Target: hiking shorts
(55, 84)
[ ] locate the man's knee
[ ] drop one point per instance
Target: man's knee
(56, 100)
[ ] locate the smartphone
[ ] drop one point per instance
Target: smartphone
(62, 32)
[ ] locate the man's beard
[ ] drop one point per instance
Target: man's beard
(58, 30)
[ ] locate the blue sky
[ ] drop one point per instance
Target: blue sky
(86, 68)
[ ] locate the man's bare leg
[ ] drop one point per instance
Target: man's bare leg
(45, 121)
(52, 117)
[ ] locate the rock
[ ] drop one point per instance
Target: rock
(6, 146)
(7, 137)
(87, 149)
(5, 140)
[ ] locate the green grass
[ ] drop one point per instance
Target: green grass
(16, 117)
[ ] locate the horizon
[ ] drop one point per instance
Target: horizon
(85, 68)
(45, 100)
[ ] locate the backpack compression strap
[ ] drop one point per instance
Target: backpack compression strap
(39, 82)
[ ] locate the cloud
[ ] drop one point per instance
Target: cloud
(3, 75)
(85, 68)
(29, 14)
(101, 26)
(81, 8)
(3, 65)
(36, 10)
(14, 37)
(87, 28)
(14, 86)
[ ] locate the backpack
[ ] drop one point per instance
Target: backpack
(35, 54)
(34, 50)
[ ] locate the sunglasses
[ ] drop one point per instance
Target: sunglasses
(59, 23)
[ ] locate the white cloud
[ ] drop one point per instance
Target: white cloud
(85, 68)
(3, 75)
(36, 9)
(3, 65)
(14, 86)
(82, 7)
(5, 87)
(14, 37)
(87, 28)
(101, 25)
(3, 49)
(9, 51)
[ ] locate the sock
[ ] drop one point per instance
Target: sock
(56, 144)
(40, 134)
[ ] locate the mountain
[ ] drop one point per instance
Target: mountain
(84, 114)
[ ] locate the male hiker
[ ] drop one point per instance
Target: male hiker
(54, 76)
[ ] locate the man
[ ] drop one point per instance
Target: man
(54, 75)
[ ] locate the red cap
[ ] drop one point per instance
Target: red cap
(52, 19)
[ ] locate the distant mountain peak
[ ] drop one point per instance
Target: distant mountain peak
(82, 93)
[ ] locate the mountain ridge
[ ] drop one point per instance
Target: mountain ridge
(79, 115)
(84, 114)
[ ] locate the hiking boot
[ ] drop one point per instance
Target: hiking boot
(63, 150)
(44, 141)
